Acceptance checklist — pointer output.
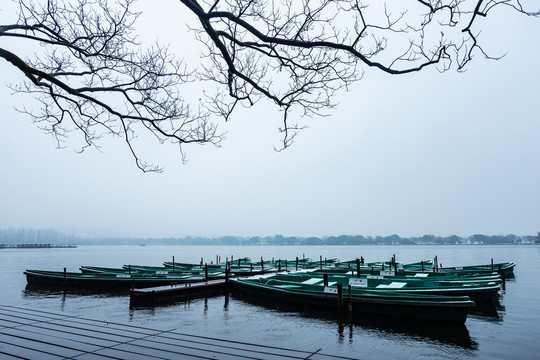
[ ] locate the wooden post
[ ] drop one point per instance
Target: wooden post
(217, 260)
(362, 260)
(422, 265)
(320, 262)
(325, 279)
(173, 263)
(297, 263)
(201, 261)
(262, 265)
(279, 265)
(129, 269)
(232, 259)
(350, 298)
(357, 268)
(206, 271)
(491, 264)
(65, 275)
(503, 277)
(340, 297)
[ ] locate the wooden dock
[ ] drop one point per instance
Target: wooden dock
(166, 294)
(34, 334)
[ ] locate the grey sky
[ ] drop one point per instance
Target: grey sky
(417, 154)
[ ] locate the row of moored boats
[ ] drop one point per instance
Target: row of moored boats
(421, 290)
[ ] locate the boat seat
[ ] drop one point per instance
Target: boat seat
(312, 281)
(392, 285)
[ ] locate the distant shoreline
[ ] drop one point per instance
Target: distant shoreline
(35, 246)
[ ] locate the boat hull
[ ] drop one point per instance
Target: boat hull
(388, 306)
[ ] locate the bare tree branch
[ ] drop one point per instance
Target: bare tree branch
(91, 76)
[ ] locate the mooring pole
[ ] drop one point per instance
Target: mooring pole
(173, 263)
(501, 272)
(262, 265)
(325, 279)
(357, 268)
(297, 263)
(350, 299)
(340, 297)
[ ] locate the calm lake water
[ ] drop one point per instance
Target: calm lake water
(514, 333)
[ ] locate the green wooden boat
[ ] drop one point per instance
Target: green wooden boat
(62, 280)
(506, 269)
(486, 292)
(394, 304)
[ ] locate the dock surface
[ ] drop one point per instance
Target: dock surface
(34, 334)
(160, 295)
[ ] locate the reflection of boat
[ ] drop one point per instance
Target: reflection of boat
(386, 303)
(420, 330)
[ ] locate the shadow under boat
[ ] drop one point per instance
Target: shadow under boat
(39, 291)
(443, 332)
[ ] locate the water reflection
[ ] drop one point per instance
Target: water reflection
(32, 292)
(347, 325)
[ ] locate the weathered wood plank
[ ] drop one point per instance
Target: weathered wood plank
(34, 334)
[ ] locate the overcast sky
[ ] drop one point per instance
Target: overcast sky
(425, 153)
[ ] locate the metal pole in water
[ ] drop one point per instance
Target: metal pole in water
(340, 297)
(501, 272)
(350, 299)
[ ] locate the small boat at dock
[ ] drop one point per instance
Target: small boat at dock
(114, 282)
(452, 309)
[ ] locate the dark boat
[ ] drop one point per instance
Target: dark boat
(453, 309)
(64, 280)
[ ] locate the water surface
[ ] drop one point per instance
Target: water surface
(512, 333)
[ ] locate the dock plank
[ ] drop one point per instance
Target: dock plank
(34, 334)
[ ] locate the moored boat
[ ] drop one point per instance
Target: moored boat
(59, 279)
(402, 305)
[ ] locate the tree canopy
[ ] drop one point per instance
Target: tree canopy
(89, 73)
